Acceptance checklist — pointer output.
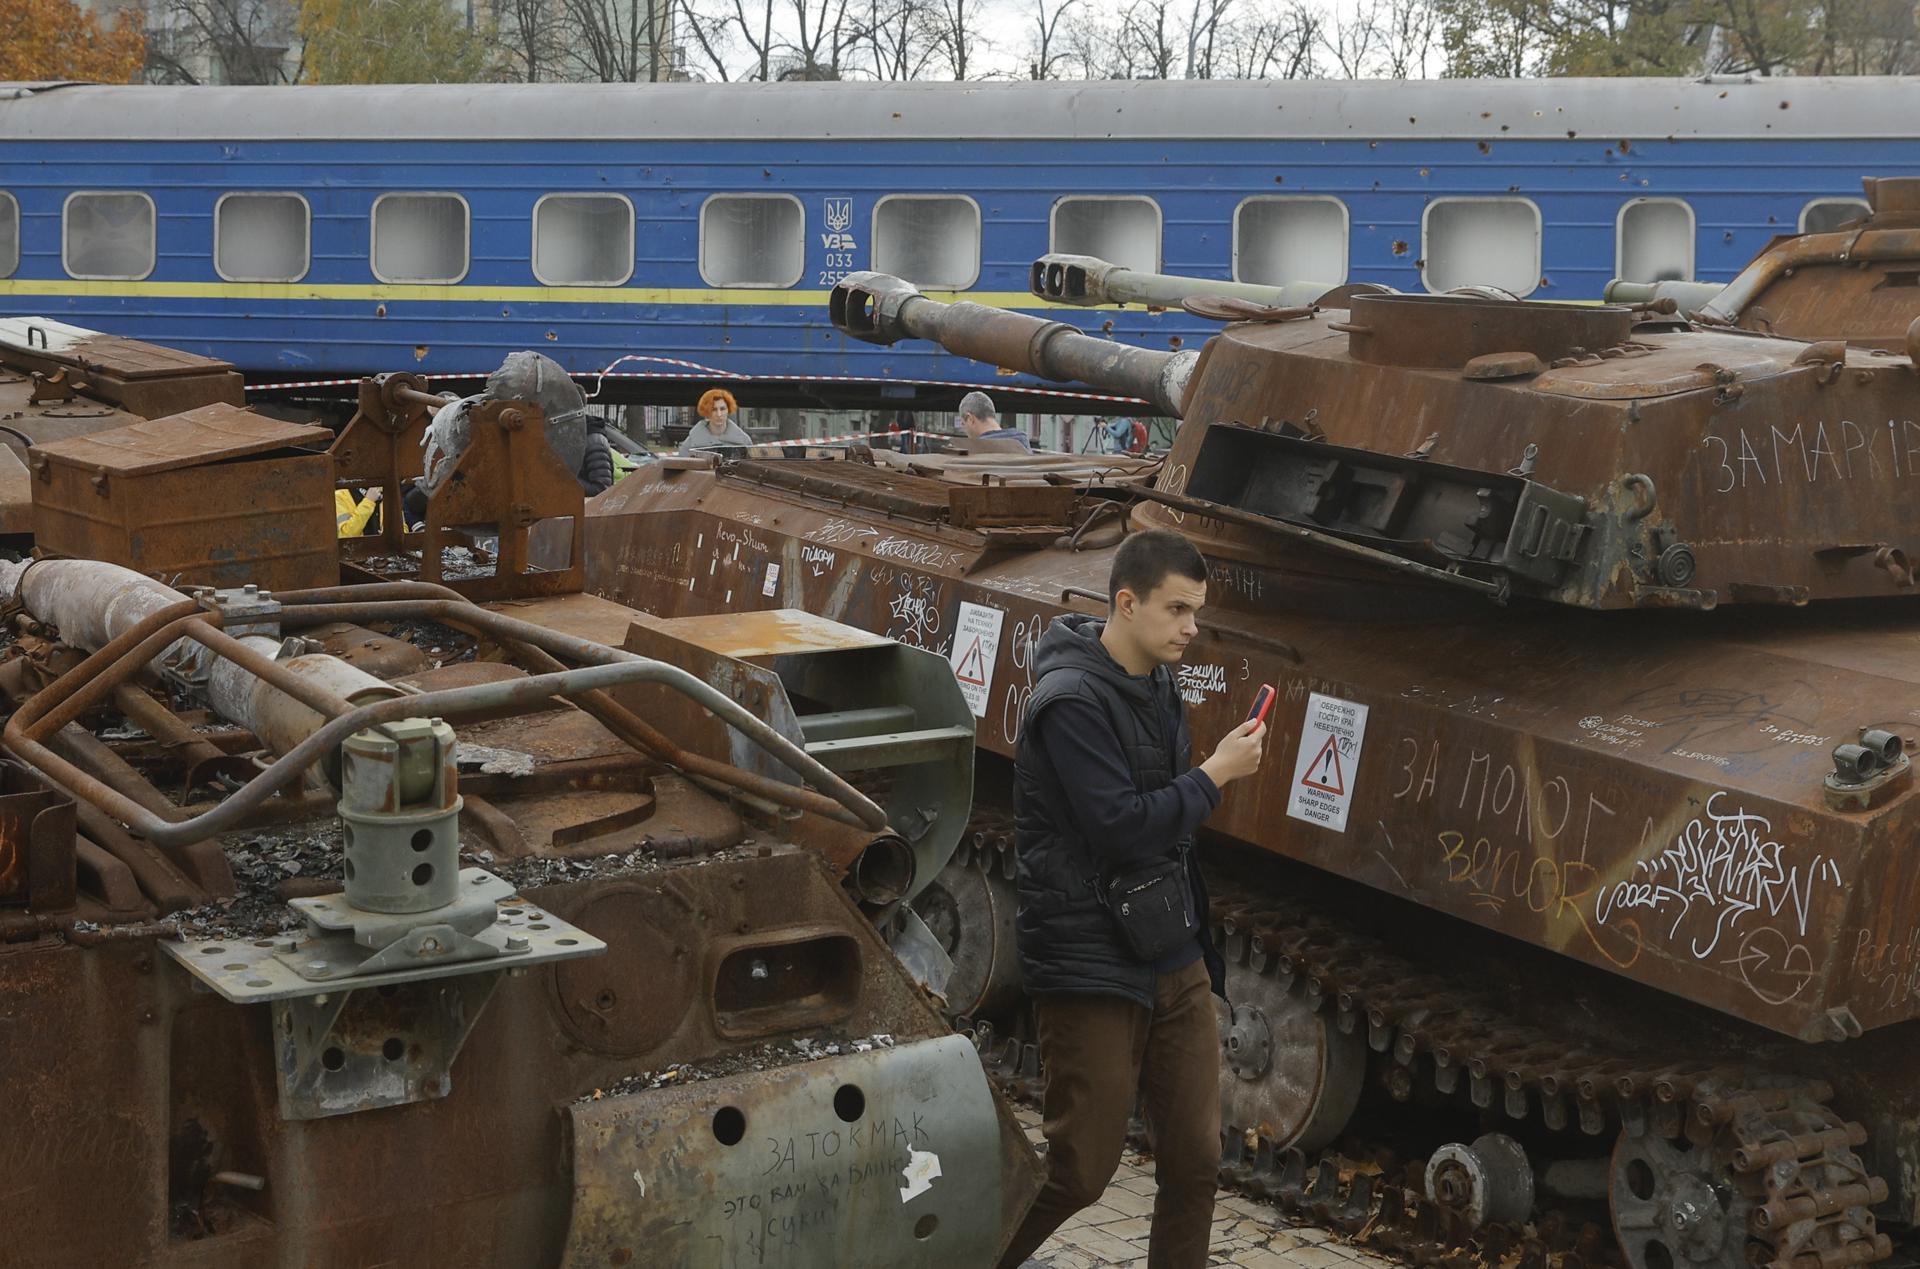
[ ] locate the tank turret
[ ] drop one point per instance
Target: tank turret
(1859, 282)
(1591, 455)
(1089, 281)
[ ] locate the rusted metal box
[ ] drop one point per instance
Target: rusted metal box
(217, 496)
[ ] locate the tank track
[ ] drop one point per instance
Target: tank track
(1800, 1191)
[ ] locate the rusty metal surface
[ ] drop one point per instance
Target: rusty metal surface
(845, 1136)
(146, 380)
(136, 1084)
(215, 433)
(87, 383)
(157, 497)
(506, 488)
(1754, 456)
(1646, 797)
(725, 940)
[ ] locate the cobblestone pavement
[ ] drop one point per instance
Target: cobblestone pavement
(1247, 1234)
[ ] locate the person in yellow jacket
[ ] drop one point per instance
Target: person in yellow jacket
(349, 516)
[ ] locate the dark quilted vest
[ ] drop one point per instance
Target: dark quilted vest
(1065, 935)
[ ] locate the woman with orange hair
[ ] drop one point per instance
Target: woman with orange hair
(717, 427)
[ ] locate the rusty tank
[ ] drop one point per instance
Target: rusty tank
(473, 920)
(1577, 870)
(1859, 283)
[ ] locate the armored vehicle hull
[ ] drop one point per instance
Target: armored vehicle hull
(1626, 886)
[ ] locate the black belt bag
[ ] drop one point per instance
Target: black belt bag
(1153, 907)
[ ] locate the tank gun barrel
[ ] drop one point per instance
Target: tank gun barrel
(1691, 297)
(882, 309)
(1089, 281)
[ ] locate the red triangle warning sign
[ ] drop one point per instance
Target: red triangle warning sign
(1325, 771)
(973, 665)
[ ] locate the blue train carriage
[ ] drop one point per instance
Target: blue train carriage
(313, 233)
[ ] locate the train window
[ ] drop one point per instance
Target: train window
(1122, 231)
(929, 239)
(420, 238)
(752, 240)
(1824, 215)
(9, 235)
(1653, 241)
(261, 237)
(1279, 239)
(1481, 242)
(582, 240)
(109, 235)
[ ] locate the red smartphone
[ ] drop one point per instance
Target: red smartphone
(1262, 702)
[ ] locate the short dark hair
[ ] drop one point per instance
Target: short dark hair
(1146, 559)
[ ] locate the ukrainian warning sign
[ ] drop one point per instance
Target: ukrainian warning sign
(1329, 757)
(976, 644)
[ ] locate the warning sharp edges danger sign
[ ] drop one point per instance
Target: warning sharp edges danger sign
(976, 645)
(1328, 757)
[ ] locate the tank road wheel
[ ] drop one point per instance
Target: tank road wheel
(1677, 1205)
(1287, 1073)
(969, 908)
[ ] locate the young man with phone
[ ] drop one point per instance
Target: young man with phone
(1112, 924)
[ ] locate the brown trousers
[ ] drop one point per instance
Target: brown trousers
(1100, 1052)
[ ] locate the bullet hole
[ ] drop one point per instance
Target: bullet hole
(1373, 145)
(1546, 283)
(1626, 147)
(1505, 126)
(380, 310)
(1484, 147)
(1486, 114)
(1419, 264)
(419, 352)
(1400, 246)
(1106, 327)
(1571, 134)
(1425, 173)
(1411, 119)
(1625, 177)
(1727, 236)
(896, 114)
(1279, 180)
(1174, 342)
(1609, 151)
(1773, 220)
(552, 336)
(765, 175)
(1513, 189)
(1723, 96)
(1783, 105)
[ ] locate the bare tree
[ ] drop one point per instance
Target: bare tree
(756, 32)
(897, 36)
(952, 23)
(1147, 39)
(1204, 30)
(710, 35)
(223, 41)
(826, 34)
(530, 33)
(1408, 29)
(1274, 44)
(1047, 53)
(620, 41)
(1352, 38)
